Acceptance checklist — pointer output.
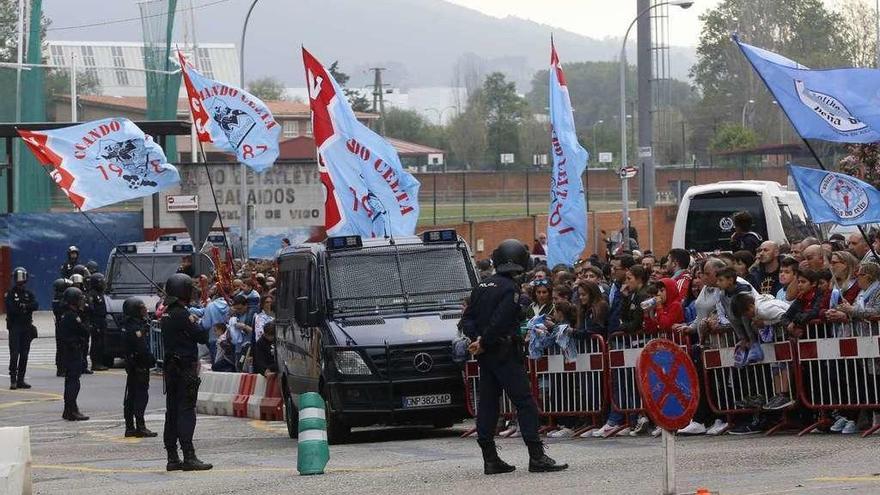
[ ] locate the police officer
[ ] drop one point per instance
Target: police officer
(20, 306)
(97, 320)
(72, 331)
(180, 336)
(78, 279)
(92, 267)
(58, 307)
(138, 361)
(491, 320)
(72, 261)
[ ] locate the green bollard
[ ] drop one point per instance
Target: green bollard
(312, 450)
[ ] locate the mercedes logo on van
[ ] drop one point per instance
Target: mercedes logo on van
(423, 362)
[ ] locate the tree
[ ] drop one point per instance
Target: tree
(804, 31)
(504, 111)
(732, 137)
(359, 102)
(468, 133)
(410, 125)
(859, 32)
(58, 83)
(267, 88)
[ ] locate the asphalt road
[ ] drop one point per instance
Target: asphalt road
(256, 457)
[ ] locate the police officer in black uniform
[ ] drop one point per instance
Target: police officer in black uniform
(58, 287)
(92, 267)
(72, 261)
(492, 321)
(72, 331)
(79, 279)
(20, 306)
(138, 361)
(180, 336)
(97, 308)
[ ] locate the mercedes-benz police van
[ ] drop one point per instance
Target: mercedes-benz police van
(158, 260)
(369, 324)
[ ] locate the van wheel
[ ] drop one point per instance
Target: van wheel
(291, 416)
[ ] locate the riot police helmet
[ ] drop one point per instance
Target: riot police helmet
(179, 287)
(510, 257)
(72, 252)
(19, 275)
(134, 307)
(92, 266)
(61, 284)
(97, 282)
(81, 270)
(77, 280)
(73, 296)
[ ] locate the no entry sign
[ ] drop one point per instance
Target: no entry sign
(668, 382)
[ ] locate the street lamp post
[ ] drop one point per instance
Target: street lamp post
(624, 187)
(745, 106)
(596, 153)
(243, 189)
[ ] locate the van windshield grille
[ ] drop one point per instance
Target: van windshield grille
(401, 277)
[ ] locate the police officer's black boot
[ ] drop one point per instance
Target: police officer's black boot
(174, 463)
(129, 428)
(539, 462)
(191, 462)
(13, 383)
(75, 415)
(492, 464)
(142, 432)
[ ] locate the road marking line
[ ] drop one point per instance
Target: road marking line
(113, 438)
(249, 469)
(30, 392)
(875, 478)
(7, 405)
(269, 426)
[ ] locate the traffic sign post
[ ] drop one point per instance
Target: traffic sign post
(670, 392)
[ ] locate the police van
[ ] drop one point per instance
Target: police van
(369, 324)
(156, 259)
(705, 214)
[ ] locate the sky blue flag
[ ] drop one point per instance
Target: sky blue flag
(833, 197)
(232, 119)
(368, 191)
(102, 162)
(567, 220)
(840, 105)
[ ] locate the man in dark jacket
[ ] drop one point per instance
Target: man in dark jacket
(97, 320)
(491, 320)
(765, 273)
(264, 351)
(20, 306)
(180, 338)
(72, 332)
(138, 361)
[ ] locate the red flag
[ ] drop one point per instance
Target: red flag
(200, 116)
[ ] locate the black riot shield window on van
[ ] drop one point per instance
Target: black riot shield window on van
(398, 278)
(710, 218)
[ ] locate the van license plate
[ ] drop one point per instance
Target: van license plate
(415, 401)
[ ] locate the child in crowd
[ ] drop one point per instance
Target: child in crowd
(807, 306)
(787, 275)
(667, 310)
(748, 347)
(632, 315)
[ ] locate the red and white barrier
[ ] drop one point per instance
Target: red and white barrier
(15, 460)
(242, 395)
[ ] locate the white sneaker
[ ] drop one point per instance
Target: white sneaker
(588, 433)
(561, 433)
(716, 428)
(657, 432)
(624, 432)
(850, 428)
(693, 428)
(603, 431)
(509, 431)
(839, 425)
(641, 426)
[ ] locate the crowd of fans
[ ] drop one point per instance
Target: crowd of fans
(758, 290)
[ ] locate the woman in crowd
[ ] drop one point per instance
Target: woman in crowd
(592, 310)
(266, 314)
(844, 267)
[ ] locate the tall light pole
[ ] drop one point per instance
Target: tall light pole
(243, 189)
(593, 132)
(745, 106)
(623, 163)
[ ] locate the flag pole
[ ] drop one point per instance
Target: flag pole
(861, 229)
(214, 195)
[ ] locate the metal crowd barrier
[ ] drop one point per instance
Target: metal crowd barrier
(506, 409)
(839, 364)
(732, 391)
(572, 389)
(156, 343)
(624, 350)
